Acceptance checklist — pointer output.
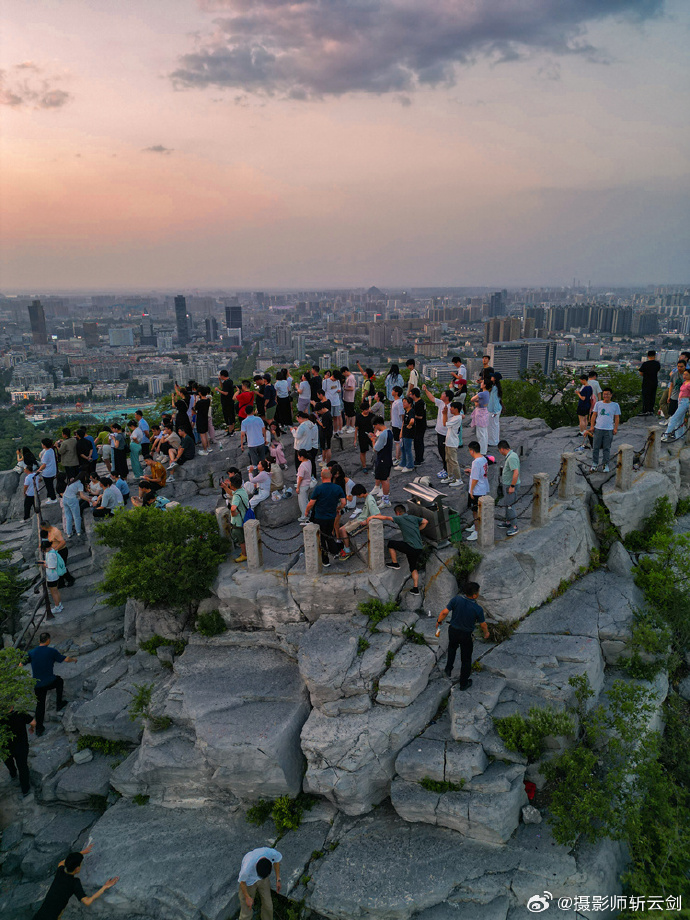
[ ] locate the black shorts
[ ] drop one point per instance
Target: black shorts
(413, 555)
(349, 409)
(583, 414)
(202, 425)
(396, 433)
(325, 440)
(382, 471)
(364, 446)
(473, 502)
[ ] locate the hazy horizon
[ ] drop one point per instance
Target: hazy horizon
(253, 144)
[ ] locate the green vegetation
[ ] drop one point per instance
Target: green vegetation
(103, 745)
(411, 634)
(17, 432)
(286, 812)
(606, 532)
(466, 561)
(527, 735)
(664, 578)
(390, 655)
(12, 586)
(210, 624)
(16, 692)
(377, 611)
(362, 645)
(658, 524)
(502, 630)
(155, 642)
(683, 507)
(183, 540)
(140, 708)
(140, 799)
(649, 646)
(440, 786)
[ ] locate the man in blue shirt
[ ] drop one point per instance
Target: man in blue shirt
(43, 659)
(121, 485)
(254, 878)
(327, 500)
(465, 612)
(253, 432)
(146, 439)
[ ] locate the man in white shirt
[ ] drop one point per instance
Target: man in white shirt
(479, 485)
(349, 390)
(397, 416)
(603, 425)
(254, 879)
(253, 432)
(440, 426)
(460, 379)
(595, 385)
(414, 375)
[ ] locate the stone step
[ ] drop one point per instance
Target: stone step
(82, 614)
(87, 667)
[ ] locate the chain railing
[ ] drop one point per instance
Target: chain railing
(32, 627)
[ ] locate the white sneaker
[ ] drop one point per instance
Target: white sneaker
(58, 609)
(405, 469)
(51, 501)
(202, 453)
(210, 450)
(471, 537)
(386, 502)
(396, 463)
(606, 468)
(172, 465)
(456, 483)
(471, 529)
(169, 480)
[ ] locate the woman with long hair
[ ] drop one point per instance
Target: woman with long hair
(495, 408)
(480, 415)
(393, 379)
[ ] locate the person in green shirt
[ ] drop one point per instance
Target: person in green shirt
(411, 545)
(104, 449)
(510, 479)
(359, 518)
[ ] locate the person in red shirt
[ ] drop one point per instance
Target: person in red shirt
(244, 398)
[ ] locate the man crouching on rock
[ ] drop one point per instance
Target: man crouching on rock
(255, 878)
(66, 885)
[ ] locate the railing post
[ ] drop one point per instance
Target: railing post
(540, 500)
(312, 549)
(624, 467)
(223, 519)
(566, 487)
(651, 459)
(377, 554)
(486, 521)
(252, 539)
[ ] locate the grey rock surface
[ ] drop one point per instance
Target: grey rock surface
(629, 509)
(407, 677)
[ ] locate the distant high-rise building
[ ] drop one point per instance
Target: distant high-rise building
(121, 338)
(90, 332)
(233, 316)
(164, 343)
(284, 336)
(379, 335)
(510, 358)
(325, 362)
(497, 304)
(37, 317)
(147, 335)
(181, 319)
(211, 329)
(299, 344)
(341, 357)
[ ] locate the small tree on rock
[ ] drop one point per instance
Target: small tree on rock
(163, 558)
(16, 692)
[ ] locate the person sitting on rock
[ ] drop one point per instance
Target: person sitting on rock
(259, 485)
(410, 546)
(254, 878)
(358, 520)
(465, 612)
(66, 885)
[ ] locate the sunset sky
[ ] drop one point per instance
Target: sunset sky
(265, 144)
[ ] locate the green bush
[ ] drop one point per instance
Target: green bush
(658, 524)
(103, 745)
(607, 533)
(362, 645)
(466, 561)
(155, 642)
(210, 624)
(527, 735)
(502, 630)
(141, 701)
(648, 646)
(411, 634)
(16, 692)
(286, 812)
(377, 611)
(664, 579)
(184, 541)
(12, 586)
(683, 507)
(440, 786)
(390, 655)
(140, 799)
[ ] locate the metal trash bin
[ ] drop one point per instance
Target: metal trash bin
(427, 503)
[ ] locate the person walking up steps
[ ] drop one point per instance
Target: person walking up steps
(43, 659)
(66, 885)
(411, 545)
(464, 612)
(255, 878)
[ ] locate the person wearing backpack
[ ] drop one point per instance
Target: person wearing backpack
(239, 512)
(55, 568)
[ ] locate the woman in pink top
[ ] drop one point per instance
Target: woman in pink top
(303, 484)
(677, 419)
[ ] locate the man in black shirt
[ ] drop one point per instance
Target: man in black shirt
(227, 403)
(465, 612)
(66, 885)
(649, 371)
(487, 371)
(419, 425)
(315, 383)
(364, 425)
(17, 759)
(186, 450)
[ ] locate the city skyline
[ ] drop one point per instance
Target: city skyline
(475, 145)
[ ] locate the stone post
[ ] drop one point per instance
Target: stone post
(651, 460)
(252, 539)
(377, 552)
(624, 467)
(486, 521)
(540, 501)
(223, 518)
(312, 549)
(566, 487)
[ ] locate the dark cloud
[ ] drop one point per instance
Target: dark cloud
(22, 87)
(158, 148)
(309, 48)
